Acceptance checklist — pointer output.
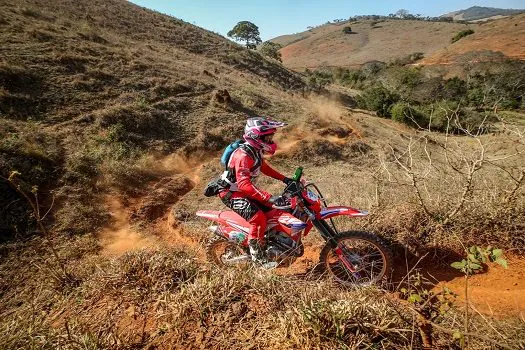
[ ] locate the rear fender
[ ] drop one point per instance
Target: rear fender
(330, 212)
(212, 215)
(230, 225)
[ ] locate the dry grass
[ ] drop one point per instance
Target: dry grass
(162, 299)
(109, 90)
(327, 45)
(494, 36)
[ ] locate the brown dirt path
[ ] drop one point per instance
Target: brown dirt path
(497, 292)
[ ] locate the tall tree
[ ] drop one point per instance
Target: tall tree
(246, 31)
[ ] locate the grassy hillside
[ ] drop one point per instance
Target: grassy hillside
(369, 41)
(390, 40)
(88, 90)
(503, 38)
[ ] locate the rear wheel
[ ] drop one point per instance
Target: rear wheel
(368, 254)
(223, 252)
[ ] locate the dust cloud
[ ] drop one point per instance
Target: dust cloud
(120, 237)
(326, 110)
(177, 163)
(323, 113)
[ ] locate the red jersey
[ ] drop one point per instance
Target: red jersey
(244, 167)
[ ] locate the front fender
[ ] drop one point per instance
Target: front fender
(330, 212)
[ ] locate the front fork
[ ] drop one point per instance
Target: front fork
(328, 233)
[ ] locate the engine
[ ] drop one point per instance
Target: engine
(280, 247)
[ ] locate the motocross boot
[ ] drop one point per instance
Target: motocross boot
(259, 257)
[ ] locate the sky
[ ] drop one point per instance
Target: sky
(279, 17)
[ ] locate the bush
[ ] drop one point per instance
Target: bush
(475, 96)
(401, 79)
(462, 34)
(371, 68)
(351, 78)
(347, 30)
(454, 89)
(439, 114)
(449, 115)
(504, 88)
(475, 122)
(270, 49)
(402, 112)
(379, 99)
(408, 59)
(319, 78)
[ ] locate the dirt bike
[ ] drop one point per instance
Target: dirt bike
(351, 257)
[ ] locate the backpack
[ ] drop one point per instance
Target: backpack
(226, 155)
(223, 181)
(218, 184)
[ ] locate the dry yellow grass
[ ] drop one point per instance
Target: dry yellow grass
(388, 40)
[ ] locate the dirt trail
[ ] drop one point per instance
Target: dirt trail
(498, 292)
(121, 235)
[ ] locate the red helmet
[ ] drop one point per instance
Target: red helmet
(259, 133)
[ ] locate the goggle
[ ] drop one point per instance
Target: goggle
(267, 138)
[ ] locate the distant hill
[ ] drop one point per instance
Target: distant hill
(477, 12)
(370, 40)
(392, 39)
(492, 40)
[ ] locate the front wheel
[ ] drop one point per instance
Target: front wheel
(367, 254)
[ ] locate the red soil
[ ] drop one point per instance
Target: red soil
(497, 292)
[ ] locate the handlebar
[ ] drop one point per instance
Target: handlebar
(292, 188)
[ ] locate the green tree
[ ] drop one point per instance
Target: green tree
(454, 89)
(402, 112)
(246, 31)
(271, 49)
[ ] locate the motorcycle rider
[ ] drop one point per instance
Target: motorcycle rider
(242, 196)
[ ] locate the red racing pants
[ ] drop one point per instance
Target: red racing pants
(251, 211)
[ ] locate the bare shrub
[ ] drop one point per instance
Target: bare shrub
(468, 189)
